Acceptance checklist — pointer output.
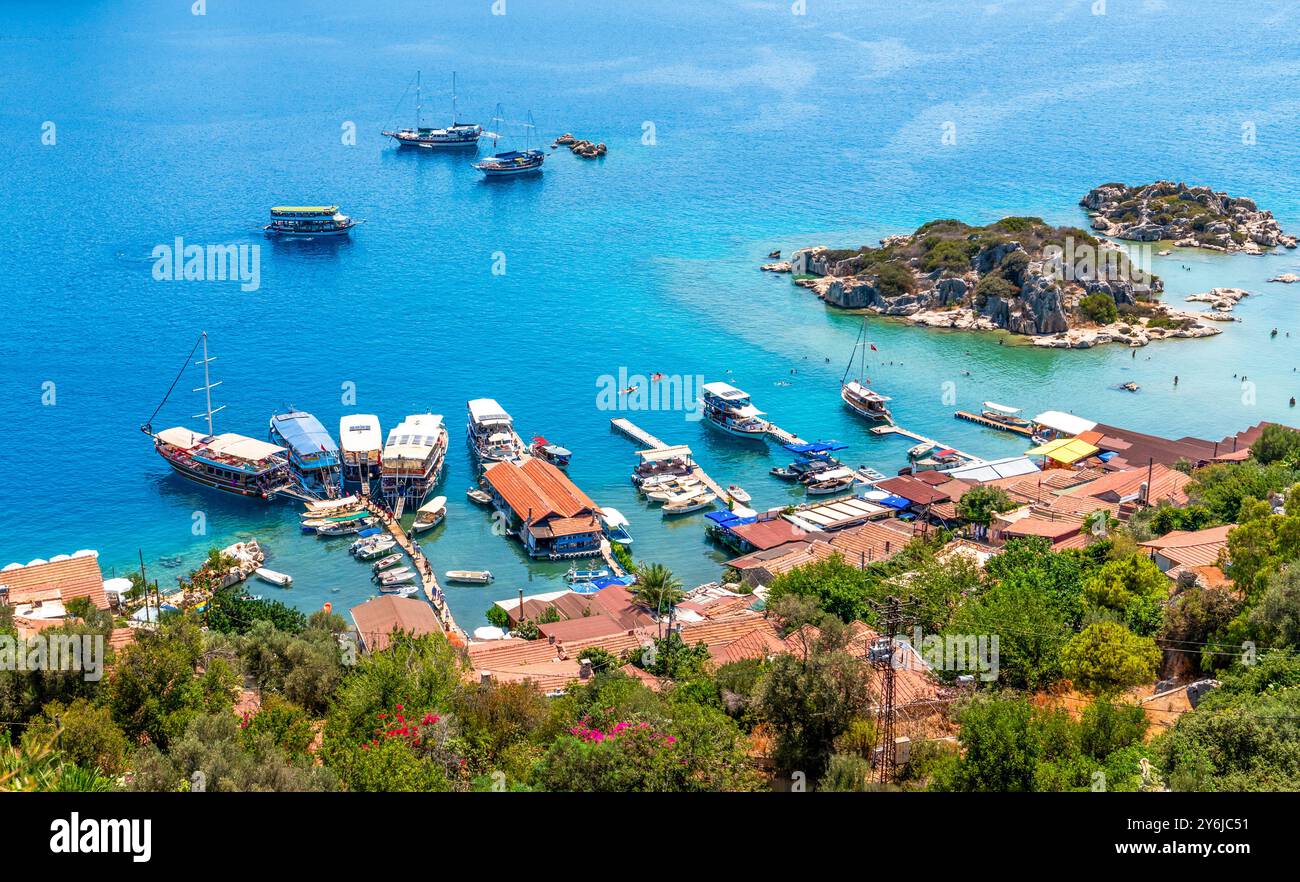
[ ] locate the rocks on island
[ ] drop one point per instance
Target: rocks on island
(580, 147)
(1286, 278)
(1193, 217)
(1059, 285)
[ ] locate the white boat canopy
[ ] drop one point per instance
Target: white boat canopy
(658, 454)
(724, 390)
(433, 506)
(1002, 408)
(359, 433)
(414, 437)
(1066, 423)
(486, 410)
(748, 411)
(613, 517)
(331, 504)
(834, 475)
(179, 436)
(243, 447)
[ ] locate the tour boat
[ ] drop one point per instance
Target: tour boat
(491, 432)
(730, 410)
(738, 494)
(384, 563)
(941, 458)
(322, 507)
(299, 221)
(282, 579)
(362, 446)
(430, 515)
(512, 162)
(689, 504)
(662, 464)
(552, 453)
(313, 455)
(412, 459)
(1006, 416)
(479, 496)
(228, 462)
(478, 577)
(615, 526)
(458, 135)
(855, 393)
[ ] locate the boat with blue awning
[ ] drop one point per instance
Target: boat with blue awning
(313, 454)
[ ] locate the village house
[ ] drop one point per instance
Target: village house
(1196, 552)
(379, 617)
(551, 516)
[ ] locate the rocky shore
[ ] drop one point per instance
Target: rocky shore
(1058, 285)
(1191, 217)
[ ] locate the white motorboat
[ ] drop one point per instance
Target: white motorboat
(385, 562)
(401, 590)
(379, 549)
(832, 481)
(479, 496)
(738, 494)
(689, 503)
(430, 515)
(477, 577)
(398, 576)
(284, 580)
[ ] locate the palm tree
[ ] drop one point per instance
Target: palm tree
(657, 588)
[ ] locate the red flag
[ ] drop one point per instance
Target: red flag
(873, 347)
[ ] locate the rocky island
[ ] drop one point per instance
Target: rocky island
(1059, 285)
(1192, 217)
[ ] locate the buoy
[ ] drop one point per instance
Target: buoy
(329, 607)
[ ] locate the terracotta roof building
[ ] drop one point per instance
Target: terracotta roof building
(550, 514)
(379, 617)
(1188, 549)
(56, 581)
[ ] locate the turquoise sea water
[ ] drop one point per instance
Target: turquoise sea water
(771, 130)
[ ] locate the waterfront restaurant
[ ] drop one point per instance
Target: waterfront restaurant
(551, 516)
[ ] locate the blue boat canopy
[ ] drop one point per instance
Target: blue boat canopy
(815, 447)
(895, 502)
(370, 531)
(303, 432)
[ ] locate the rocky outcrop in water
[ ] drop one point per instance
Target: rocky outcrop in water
(1059, 285)
(1196, 217)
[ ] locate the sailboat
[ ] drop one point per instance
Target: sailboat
(512, 162)
(855, 393)
(456, 135)
(227, 462)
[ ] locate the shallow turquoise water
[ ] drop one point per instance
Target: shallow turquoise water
(771, 131)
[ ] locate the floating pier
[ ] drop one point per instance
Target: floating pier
(895, 429)
(428, 581)
(987, 423)
(781, 436)
(631, 430)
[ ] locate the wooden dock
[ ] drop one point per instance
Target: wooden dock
(895, 429)
(987, 423)
(650, 442)
(781, 436)
(428, 581)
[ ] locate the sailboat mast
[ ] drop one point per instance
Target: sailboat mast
(453, 97)
(207, 382)
(419, 105)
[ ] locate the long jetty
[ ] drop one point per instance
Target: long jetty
(626, 427)
(895, 429)
(428, 581)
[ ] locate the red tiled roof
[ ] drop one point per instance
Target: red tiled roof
(583, 628)
(568, 500)
(538, 490)
(769, 534)
(1054, 529)
(377, 618)
(73, 578)
(913, 490)
(873, 541)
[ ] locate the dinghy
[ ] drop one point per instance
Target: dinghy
(478, 577)
(284, 580)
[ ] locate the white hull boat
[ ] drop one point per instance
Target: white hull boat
(284, 580)
(477, 577)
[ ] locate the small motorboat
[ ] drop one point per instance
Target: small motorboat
(402, 590)
(687, 504)
(346, 528)
(919, 450)
(738, 494)
(284, 580)
(385, 562)
(402, 575)
(615, 526)
(366, 537)
(479, 496)
(868, 475)
(477, 577)
(785, 473)
(1130, 386)
(576, 575)
(430, 515)
(552, 453)
(379, 549)
(832, 481)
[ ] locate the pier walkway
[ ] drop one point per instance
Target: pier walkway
(987, 423)
(626, 427)
(428, 581)
(781, 436)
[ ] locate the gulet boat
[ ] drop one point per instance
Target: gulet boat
(856, 393)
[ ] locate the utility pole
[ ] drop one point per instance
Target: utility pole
(892, 614)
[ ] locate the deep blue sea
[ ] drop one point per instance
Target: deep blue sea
(733, 129)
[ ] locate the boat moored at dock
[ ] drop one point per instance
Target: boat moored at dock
(999, 416)
(731, 410)
(362, 447)
(430, 515)
(615, 525)
(412, 459)
(856, 392)
(313, 455)
(308, 221)
(491, 432)
(552, 453)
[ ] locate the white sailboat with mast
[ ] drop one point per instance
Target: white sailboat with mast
(457, 135)
(856, 393)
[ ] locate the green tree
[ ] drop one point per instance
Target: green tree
(83, 733)
(1108, 657)
(1276, 443)
(1030, 628)
(838, 587)
(1131, 586)
(657, 589)
(980, 503)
